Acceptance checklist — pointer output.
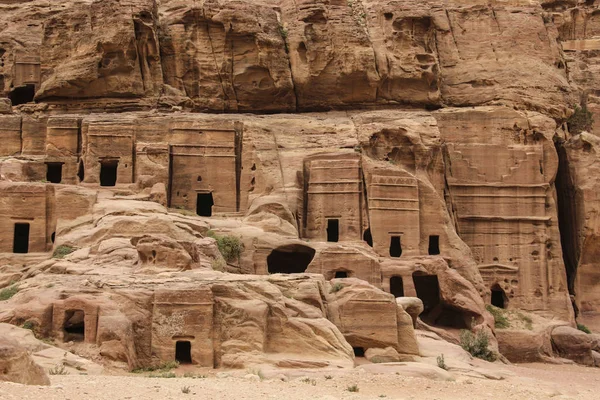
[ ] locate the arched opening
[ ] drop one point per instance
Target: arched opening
(333, 230)
(435, 312)
(74, 327)
(108, 172)
(204, 204)
(21, 238)
(290, 259)
(22, 95)
(183, 351)
(53, 237)
(395, 246)
(341, 274)
(434, 245)
(498, 297)
(54, 172)
(367, 237)
(397, 286)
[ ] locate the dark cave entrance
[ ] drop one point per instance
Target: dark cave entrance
(22, 95)
(498, 297)
(183, 351)
(81, 171)
(341, 274)
(434, 311)
(567, 216)
(359, 351)
(333, 230)
(74, 326)
(108, 172)
(54, 172)
(397, 286)
(204, 204)
(21, 238)
(290, 259)
(395, 247)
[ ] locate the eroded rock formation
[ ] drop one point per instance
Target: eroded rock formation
(418, 148)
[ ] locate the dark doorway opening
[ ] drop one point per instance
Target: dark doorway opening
(204, 204)
(498, 297)
(341, 274)
(397, 286)
(108, 173)
(428, 290)
(54, 172)
(21, 238)
(81, 171)
(367, 237)
(395, 247)
(22, 95)
(434, 245)
(333, 230)
(290, 259)
(53, 237)
(359, 351)
(183, 352)
(74, 326)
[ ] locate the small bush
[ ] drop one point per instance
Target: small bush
(352, 388)
(58, 369)
(500, 319)
(163, 375)
(28, 325)
(62, 251)
(336, 288)
(328, 377)
(581, 120)
(231, 247)
(311, 381)
(160, 367)
(476, 344)
(441, 362)
(218, 264)
(8, 292)
(583, 328)
(526, 319)
(185, 390)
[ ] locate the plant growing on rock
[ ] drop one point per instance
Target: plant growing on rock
(8, 292)
(62, 251)
(336, 287)
(583, 328)
(441, 362)
(352, 388)
(231, 247)
(500, 319)
(581, 120)
(477, 344)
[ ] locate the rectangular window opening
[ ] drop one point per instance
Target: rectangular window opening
(54, 172)
(333, 230)
(21, 238)
(204, 204)
(183, 351)
(108, 173)
(395, 246)
(434, 245)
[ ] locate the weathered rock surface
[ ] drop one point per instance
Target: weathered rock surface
(16, 365)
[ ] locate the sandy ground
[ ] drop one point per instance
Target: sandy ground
(530, 381)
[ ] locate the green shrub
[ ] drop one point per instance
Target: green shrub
(581, 120)
(28, 325)
(583, 328)
(500, 319)
(58, 369)
(441, 362)
(526, 319)
(160, 367)
(185, 390)
(8, 292)
(62, 251)
(336, 288)
(476, 344)
(352, 388)
(231, 247)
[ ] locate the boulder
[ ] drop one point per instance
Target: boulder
(16, 365)
(412, 305)
(377, 355)
(574, 344)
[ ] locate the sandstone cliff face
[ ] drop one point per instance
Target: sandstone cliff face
(417, 146)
